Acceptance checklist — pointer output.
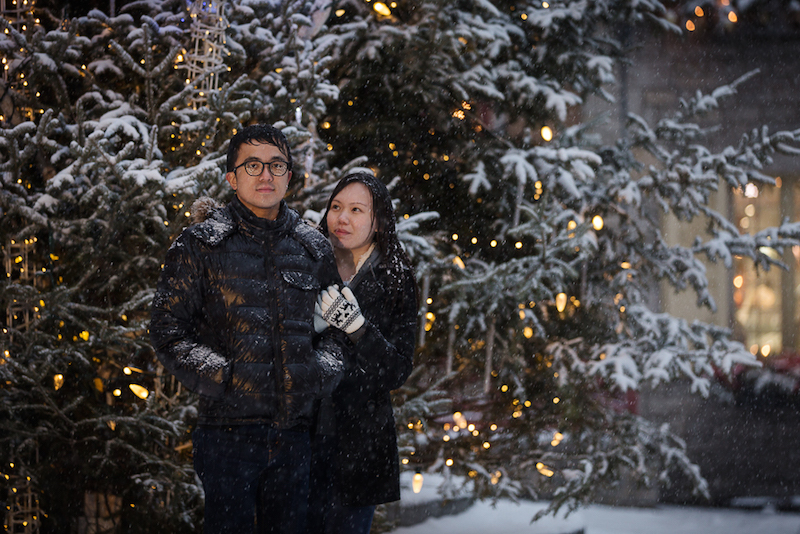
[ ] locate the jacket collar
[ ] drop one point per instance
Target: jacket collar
(260, 228)
(371, 262)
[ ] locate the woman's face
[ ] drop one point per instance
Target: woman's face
(351, 224)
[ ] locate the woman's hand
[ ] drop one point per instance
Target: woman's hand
(339, 309)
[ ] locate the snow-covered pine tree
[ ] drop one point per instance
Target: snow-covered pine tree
(102, 155)
(541, 303)
(538, 319)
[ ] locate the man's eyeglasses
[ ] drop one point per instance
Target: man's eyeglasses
(255, 167)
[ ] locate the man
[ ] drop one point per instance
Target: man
(233, 321)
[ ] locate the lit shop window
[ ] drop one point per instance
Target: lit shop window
(765, 312)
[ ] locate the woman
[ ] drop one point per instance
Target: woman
(356, 464)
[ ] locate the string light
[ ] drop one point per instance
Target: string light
(416, 484)
(561, 302)
(139, 391)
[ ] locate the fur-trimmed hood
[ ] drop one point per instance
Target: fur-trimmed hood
(212, 222)
(202, 207)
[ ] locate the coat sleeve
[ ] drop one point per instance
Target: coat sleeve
(383, 360)
(176, 318)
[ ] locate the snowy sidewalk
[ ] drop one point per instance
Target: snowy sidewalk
(510, 518)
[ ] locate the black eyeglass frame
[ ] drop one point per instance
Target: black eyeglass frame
(267, 164)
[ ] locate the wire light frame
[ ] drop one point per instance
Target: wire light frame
(23, 515)
(208, 46)
(14, 11)
(20, 267)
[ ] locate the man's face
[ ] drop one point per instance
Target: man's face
(261, 194)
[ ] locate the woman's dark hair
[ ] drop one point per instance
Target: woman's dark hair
(393, 257)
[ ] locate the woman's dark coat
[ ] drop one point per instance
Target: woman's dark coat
(367, 462)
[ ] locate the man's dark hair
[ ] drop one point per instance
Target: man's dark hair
(258, 133)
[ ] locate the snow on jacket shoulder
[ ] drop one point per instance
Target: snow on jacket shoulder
(232, 316)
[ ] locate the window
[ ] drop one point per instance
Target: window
(765, 315)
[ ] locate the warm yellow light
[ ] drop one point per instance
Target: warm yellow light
(139, 391)
(58, 381)
(690, 25)
(340, 12)
(732, 17)
(518, 245)
(698, 11)
(117, 392)
(84, 335)
(625, 265)
(504, 388)
(597, 222)
(458, 261)
(486, 444)
(556, 400)
(449, 462)
(460, 420)
(543, 469)
(416, 485)
(493, 243)
(561, 302)
(382, 9)
(738, 281)
(765, 350)
(547, 133)
(528, 332)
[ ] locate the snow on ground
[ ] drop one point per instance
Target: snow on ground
(511, 518)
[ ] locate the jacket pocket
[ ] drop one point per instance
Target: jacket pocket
(301, 290)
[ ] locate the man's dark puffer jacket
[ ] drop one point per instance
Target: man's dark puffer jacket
(232, 317)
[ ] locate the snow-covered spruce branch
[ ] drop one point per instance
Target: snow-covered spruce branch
(728, 243)
(632, 444)
(657, 347)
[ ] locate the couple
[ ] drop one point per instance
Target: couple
(292, 345)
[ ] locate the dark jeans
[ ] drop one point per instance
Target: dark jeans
(255, 478)
(326, 513)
